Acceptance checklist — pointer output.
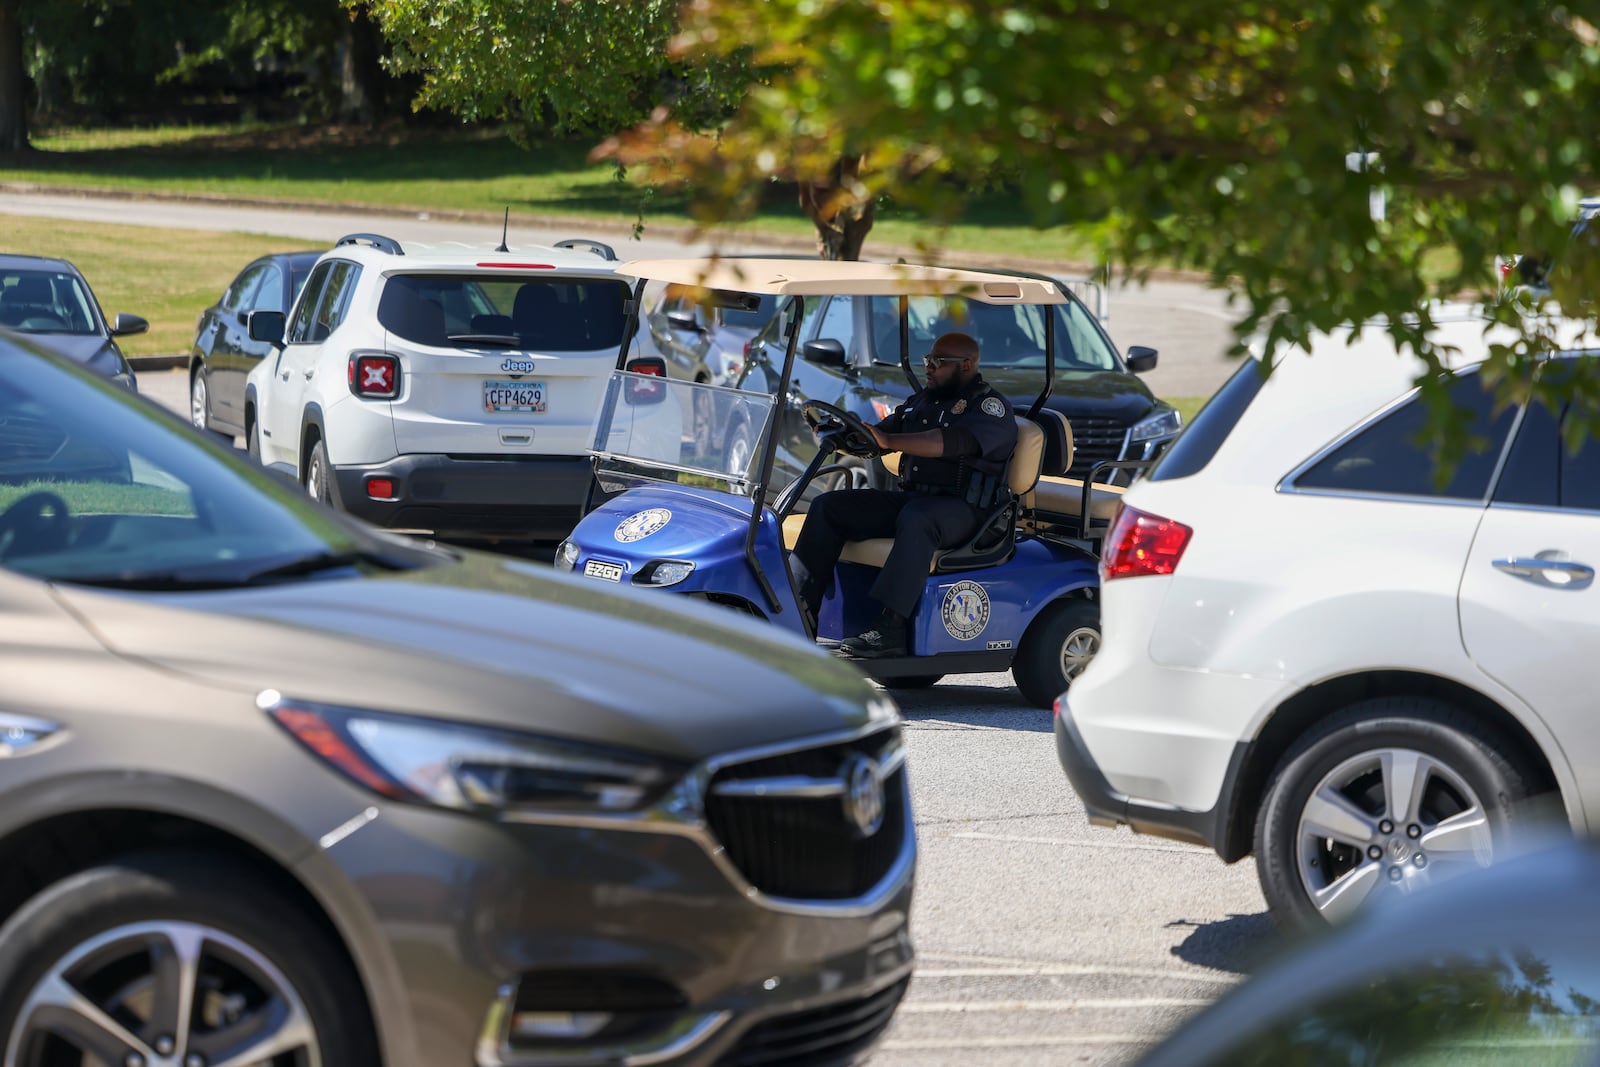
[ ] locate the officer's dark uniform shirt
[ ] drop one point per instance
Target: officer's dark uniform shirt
(980, 433)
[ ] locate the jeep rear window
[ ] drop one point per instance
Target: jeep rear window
(1193, 448)
(542, 314)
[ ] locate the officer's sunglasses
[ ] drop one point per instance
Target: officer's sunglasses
(932, 360)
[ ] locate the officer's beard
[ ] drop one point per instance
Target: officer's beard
(944, 392)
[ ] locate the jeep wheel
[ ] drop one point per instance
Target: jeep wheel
(319, 476)
(1386, 796)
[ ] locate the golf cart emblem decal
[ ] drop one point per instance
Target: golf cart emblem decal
(992, 406)
(641, 524)
(966, 610)
(518, 366)
(863, 794)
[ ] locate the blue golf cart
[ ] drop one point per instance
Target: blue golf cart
(686, 506)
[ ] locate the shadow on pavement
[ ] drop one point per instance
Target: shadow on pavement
(1239, 943)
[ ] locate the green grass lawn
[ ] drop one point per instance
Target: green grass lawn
(481, 172)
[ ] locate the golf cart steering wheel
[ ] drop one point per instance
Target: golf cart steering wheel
(848, 432)
(34, 523)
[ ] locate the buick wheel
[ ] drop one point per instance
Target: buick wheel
(172, 959)
(1387, 796)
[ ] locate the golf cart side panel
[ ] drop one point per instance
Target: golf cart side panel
(988, 609)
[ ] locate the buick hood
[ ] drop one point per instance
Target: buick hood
(503, 643)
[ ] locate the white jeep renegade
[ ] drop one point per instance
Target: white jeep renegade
(442, 390)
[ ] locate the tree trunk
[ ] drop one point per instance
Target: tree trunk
(842, 220)
(13, 83)
(363, 83)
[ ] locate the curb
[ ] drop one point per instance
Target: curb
(139, 363)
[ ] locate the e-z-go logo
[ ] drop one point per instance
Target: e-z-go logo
(517, 366)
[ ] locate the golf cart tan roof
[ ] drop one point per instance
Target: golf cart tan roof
(822, 277)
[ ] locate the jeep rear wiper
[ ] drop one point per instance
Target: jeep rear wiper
(488, 340)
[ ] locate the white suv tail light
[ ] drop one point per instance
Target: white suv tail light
(1141, 543)
(374, 375)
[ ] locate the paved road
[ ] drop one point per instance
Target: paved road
(1190, 324)
(1040, 939)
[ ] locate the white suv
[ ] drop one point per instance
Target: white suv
(442, 390)
(1318, 649)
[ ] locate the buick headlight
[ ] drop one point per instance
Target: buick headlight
(1153, 427)
(470, 767)
(566, 556)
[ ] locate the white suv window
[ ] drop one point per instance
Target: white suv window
(1542, 472)
(1396, 455)
(327, 300)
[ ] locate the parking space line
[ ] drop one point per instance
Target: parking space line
(1069, 971)
(1136, 846)
(958, 1007)
(934, 1043)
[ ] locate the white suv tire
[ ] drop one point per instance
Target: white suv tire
(1389, 793)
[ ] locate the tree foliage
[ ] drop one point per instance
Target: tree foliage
(1206, 136)
(563, 66)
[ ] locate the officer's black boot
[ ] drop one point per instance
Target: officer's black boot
(886, 638)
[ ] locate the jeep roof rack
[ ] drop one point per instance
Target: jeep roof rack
(376, 240)
(604, 251)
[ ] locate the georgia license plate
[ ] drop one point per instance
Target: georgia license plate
(514, 396)
(606, 572)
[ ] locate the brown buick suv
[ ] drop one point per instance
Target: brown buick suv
(280, 788)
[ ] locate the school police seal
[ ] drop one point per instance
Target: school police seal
(641, 524)
(992, 406)
(966, 610)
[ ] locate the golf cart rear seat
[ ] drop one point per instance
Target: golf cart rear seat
(1059, 501)
(995, 540)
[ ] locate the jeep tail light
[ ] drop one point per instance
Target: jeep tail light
(374, 375)
(1141, 543)
(380, 488)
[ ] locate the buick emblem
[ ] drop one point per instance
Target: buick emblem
(863, 795)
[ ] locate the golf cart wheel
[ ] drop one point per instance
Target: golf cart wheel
(1056, 649)
(912, 681)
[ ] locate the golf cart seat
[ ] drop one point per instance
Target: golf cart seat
(1057, 500)
(995, 539)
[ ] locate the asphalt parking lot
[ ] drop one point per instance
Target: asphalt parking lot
(1040, 939)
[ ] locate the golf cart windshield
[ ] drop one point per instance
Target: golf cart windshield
(662, 429)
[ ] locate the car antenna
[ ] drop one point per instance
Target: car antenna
(504, 228)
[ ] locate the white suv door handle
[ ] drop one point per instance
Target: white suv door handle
(1560, 570)
(311, 373)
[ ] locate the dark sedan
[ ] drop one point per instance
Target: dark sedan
(850, 358)
(223, 353)
(50, 299)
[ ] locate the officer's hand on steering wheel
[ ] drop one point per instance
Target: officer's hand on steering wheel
(840, 430)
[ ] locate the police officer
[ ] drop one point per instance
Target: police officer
(955, 437)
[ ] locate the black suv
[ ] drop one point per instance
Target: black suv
(850, 357)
